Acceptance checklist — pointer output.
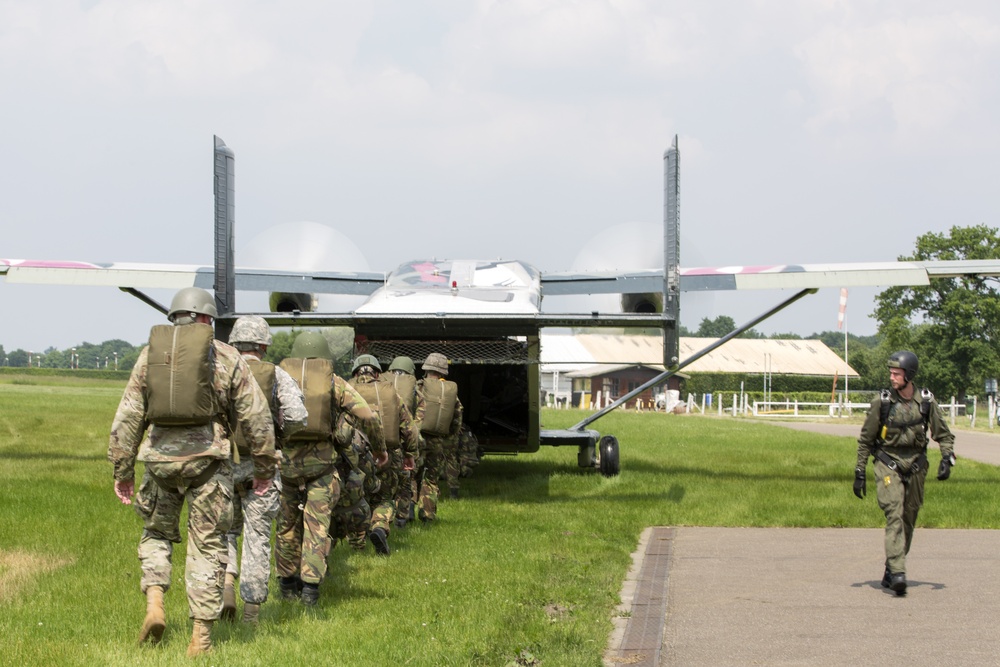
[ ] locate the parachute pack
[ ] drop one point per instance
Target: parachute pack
(440, 397)
(263, 373)
(179, 374)
(381, 397)
(406, 386)
(315, 378)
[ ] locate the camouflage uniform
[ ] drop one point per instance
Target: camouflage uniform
(192, 463)
(257, 513)
(357, 468)
(311, 487)
(383, 502)
(406, 494)
(905, 442)
(433, 455)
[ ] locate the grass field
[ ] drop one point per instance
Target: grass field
(524, 569)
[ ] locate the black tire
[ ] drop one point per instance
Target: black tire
(610, 465)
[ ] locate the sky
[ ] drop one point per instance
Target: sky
(809, 132)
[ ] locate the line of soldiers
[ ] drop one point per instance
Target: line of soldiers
(245, 442)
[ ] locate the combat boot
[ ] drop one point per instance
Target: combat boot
(454, 493)
(201, 638)
(229, 598)
(898, 583)
(380, 541)
(310, 594)
(155, 621)
(887, 578)
(290, 587)
(251, 613)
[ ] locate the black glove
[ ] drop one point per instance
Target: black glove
(859, 483)
(944, 470)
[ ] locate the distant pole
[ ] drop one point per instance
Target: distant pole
(842, 323)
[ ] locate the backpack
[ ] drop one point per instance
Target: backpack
(440, 398)
(315, 378)
(180, 369)
(406, 386)
(381, 397)
(263, 373)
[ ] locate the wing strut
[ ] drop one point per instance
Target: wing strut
(148, 300)
(696, 356)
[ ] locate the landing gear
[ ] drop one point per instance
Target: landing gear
(609, 456)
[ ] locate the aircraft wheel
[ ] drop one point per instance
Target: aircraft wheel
(609, 456)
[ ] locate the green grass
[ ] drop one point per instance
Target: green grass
(530, 559)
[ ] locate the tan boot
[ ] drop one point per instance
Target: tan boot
(251, 612)
(201, 638)
(229, 598)
(155, 621)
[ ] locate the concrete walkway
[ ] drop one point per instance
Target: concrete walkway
(811, 596)
(798, 596)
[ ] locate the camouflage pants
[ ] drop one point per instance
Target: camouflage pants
(901, 503)
(304, 524)
(428, 477)
(210, 512)
(384, 502)
(252, 516)
(407, 493)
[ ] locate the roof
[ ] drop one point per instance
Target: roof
(568, 353)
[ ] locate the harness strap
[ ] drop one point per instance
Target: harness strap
(200, 480)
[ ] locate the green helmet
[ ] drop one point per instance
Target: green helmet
(436, 362)
(366, 360)
(311, 344)
(250, 329)
(907, 361)
(404, 364)
(192, 300)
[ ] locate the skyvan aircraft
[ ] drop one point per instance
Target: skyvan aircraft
(485, 316)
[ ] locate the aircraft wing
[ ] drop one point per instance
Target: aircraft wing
(177, 276)
(773, 276)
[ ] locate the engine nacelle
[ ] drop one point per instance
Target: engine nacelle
(290, 302)
(642, 303)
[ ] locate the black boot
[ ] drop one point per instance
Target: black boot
(887, 578)
(454, 494)
(310, 594)
(380, 541)
(898, 583)
(290, 587)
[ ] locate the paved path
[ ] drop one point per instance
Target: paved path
(811, 596)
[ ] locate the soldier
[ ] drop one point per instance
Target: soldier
(309, 476)
(440, 421)
(895, 434)
(192, 391)
(401, 439)
(251, 336)
(402, 375)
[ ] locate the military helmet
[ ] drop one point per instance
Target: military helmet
(436, 362)
(404, 364)
(250, 329)
(366, 360)
(907, 361)
(311, 344)
(192, 300)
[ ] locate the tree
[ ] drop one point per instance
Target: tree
(18, 359)
(953, 325)
(722, 326)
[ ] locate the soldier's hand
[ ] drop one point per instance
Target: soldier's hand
(860, 488)
(382, 460)
(944, 470)
(261, 486)
(408, 462)
(124, 491)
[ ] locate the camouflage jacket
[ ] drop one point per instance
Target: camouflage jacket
(905, 438)
(409, 434)
(239, 399)
(456, 421)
